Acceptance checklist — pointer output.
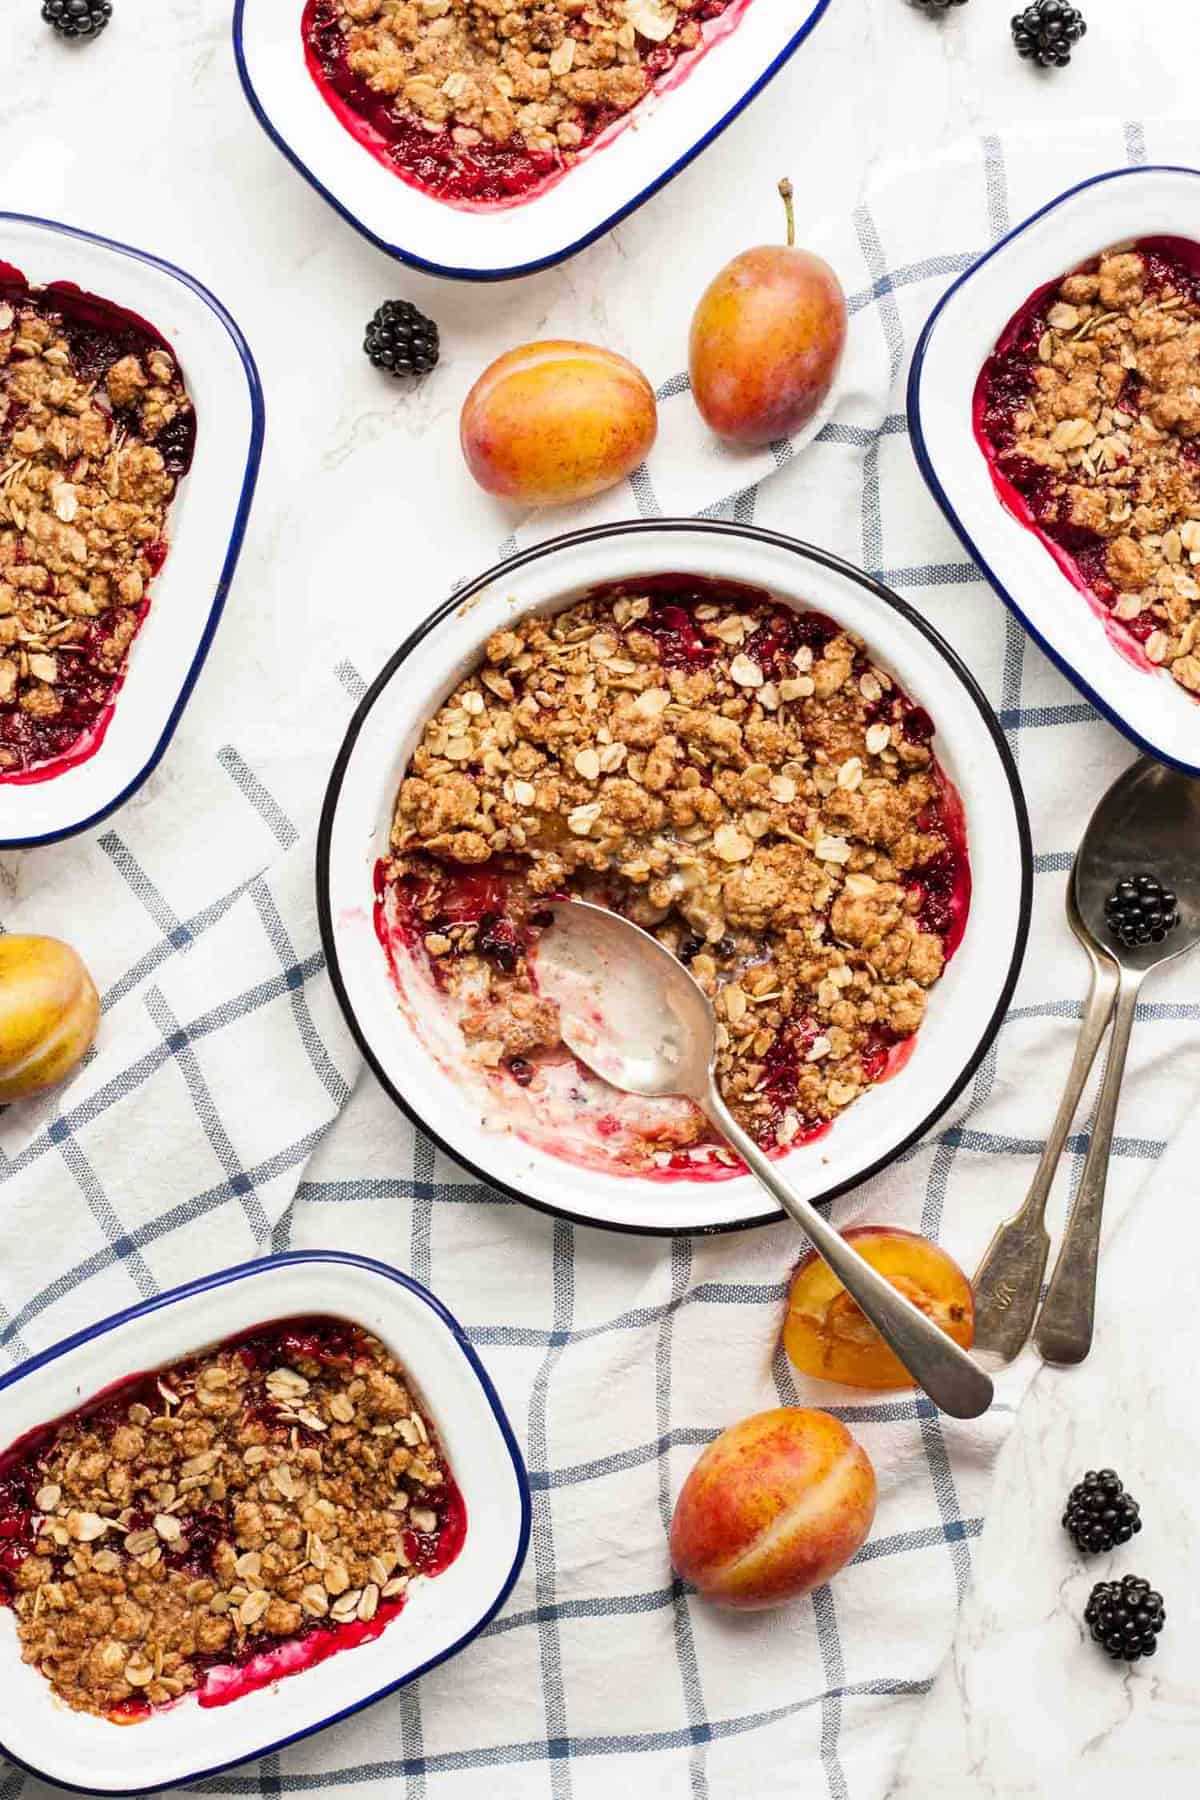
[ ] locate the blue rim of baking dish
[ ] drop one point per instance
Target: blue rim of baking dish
(223, 1278)
(240, 520)
(702, 528)
(446, 270)
(925, 462)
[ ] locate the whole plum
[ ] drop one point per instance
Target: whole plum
(554, 422)
(49, 1010)
(775, 1506)
(767, 340)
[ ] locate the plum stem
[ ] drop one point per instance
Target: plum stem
(787, 194)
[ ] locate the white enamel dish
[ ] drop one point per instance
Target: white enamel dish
(965, 1007)
(665, 132)
(205, 527)
(1114, 208)
(443, 1614)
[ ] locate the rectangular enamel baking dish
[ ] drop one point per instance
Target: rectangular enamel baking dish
(205, 526)
(1121, 206)
(184, 1741)
(746, 47)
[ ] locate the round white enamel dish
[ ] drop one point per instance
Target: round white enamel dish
(205, 526)
(1124, 205)
(182, 1742)
(965, 1007)
(666, 131)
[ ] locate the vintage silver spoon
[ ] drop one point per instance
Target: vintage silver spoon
(1008, 1282)
(635, 1016)
(1149, 819)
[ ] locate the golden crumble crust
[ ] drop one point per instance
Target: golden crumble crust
(1102, 438)
(84, 499)
(540, 71)
(263, 1489)
(742, 781)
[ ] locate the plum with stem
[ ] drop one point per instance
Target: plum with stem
(767, 340)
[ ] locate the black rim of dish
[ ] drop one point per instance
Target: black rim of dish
(700, 528)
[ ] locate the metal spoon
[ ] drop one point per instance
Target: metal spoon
(635, 1016)
(1149, 819)
(1008, 1283)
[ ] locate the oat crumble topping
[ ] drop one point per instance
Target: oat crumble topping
(282, 1485)
(96, 429)
(1091, 405)
(736, 777)
(543, 76)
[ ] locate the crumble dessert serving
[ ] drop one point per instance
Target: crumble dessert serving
(484, 100)
(1089, 414)
(223, 1522)
(740, 779)
(96, 432)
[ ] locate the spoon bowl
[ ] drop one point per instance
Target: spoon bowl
(634, 1015)
(628, 1009)
(1148, 820)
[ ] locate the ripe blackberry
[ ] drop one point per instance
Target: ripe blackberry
(1126, 1617)
(496, 939)
(401, 340)
(1046, 30)
(1100, 1514)
(937, 5)
(1140, 910)
(77, 18)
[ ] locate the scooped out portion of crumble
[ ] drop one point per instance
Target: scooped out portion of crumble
(739, 778)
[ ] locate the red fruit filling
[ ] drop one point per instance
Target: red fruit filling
(211, 1527)
(735, 776)
(1087, 413)
(96, 432)
(419, 135)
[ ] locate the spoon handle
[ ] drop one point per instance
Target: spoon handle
(1065, 1324)
(935, 1361)
(1008, 1282)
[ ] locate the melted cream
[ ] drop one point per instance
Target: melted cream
(566, 1110)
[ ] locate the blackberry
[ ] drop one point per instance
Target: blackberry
(496, 939)
(1100, 1514)
(401, 340)
(937, 5)
(1125, 1616)
(77, 18)
(1046, 30)
(1140, 910)
(176, 442)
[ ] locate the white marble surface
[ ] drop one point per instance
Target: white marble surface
(1026, 1705)
(145, 137)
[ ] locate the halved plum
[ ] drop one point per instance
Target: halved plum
(827, 1335)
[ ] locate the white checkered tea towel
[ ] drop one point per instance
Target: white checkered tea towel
(225, 1113)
